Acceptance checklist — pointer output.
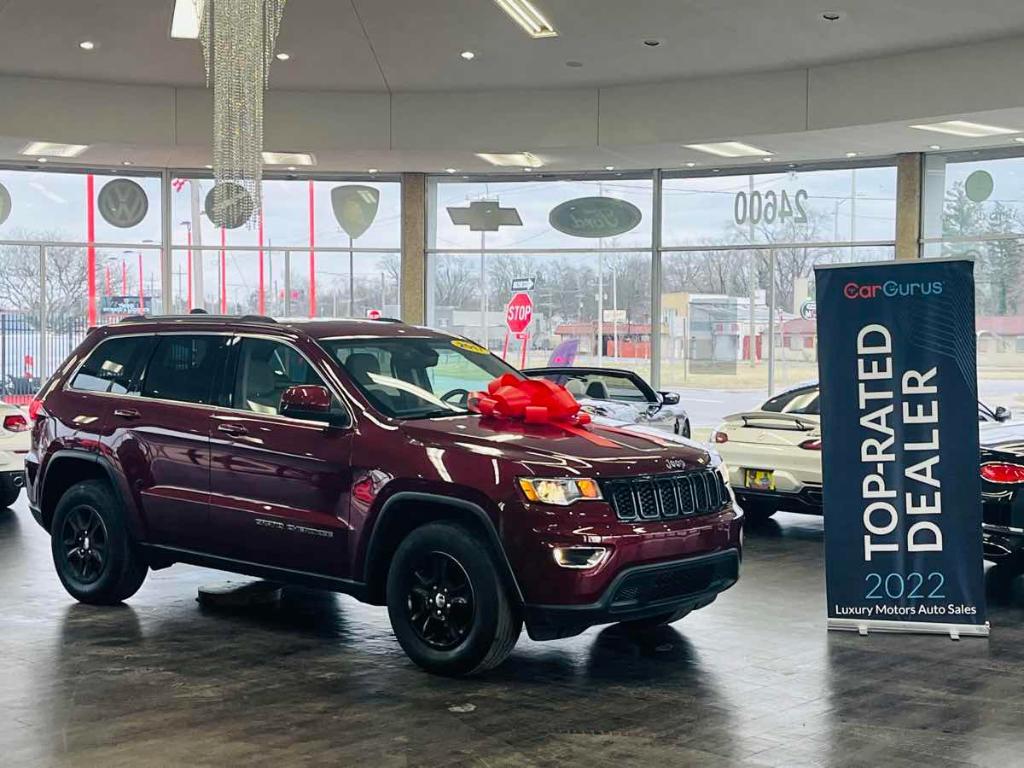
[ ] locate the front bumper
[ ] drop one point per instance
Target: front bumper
(13, 477)
(640, 592)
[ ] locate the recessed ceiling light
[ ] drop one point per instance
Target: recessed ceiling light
(652, 43)
(371, 170)
(127, 162)
(766, 159)
(791, 165)
(42, 160)
(450, 170)
(291, 167)
(529, 18)
(208, 166)
(282, 56)
(1019, 139)
(288, 158)
(966, 129)
(574, 64)
(609, 167)
(715, 170)
(730, 149)
(934, 146)
(185, 19)
(87, 45)
(832, 16)
(53, 149)
(691, 165)
(511, 159)
(527, 169)
(852, 154)
(468, 55)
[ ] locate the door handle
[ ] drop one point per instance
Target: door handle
(127, 413)
(233, 429)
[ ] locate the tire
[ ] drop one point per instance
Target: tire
(93, 553)
(651, 622)
(9, 493)
(472, 626)
(683, 430)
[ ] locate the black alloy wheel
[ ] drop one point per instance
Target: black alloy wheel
(440, 601)
(85, 541)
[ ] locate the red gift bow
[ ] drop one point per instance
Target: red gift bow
(540, 401)
(534, 401)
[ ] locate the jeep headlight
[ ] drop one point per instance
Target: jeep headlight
(559, 490)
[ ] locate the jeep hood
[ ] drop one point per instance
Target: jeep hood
(544, 449)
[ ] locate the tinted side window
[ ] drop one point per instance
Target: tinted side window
(184, 368)
(113, 365)
(266, 369)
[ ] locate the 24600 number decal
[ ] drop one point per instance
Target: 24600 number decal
(770, 207)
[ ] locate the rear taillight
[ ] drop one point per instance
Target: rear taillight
(34, 407)
(721, 437)
(1002, 472)
(811, 445)
(15, 423)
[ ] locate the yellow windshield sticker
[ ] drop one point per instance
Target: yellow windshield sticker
(469, 346)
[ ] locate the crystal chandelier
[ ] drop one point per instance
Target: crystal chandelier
(238, 38)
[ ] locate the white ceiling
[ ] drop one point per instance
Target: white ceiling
(414, 45)
(380, 84)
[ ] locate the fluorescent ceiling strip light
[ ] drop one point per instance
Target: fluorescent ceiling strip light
(528, 17)
(518, 159)
(53, 149)
(730, 149)
(185, 20)
(288, 158)
(966, 129)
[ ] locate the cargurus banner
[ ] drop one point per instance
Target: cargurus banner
(899, 423)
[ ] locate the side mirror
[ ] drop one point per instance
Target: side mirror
(309, 403)
(669, 398)
(1002, 413)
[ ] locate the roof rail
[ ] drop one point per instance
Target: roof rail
(387, 320)
(198, 318)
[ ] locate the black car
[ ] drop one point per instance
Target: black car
(1002, 490)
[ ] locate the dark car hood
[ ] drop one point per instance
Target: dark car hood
(544, 448)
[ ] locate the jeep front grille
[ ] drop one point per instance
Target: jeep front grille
(666, 497)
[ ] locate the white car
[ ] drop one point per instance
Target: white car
(774, 454)
(14, 444)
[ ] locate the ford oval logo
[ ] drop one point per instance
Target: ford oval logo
(595, 217)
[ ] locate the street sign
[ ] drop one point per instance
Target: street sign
(519, 312)
(615, 315)
(523, 284)
(809, 309)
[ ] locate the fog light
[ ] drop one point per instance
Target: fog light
(579, 557)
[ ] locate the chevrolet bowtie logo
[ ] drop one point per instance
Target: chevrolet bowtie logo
(485, 216)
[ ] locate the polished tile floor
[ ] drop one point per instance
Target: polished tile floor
(753, 680)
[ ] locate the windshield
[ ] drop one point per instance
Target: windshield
(416, 378)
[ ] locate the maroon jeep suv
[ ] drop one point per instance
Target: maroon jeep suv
(344, 455)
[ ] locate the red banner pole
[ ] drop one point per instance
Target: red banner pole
(261, 301)
(312, 255)
(106, 279)
(124, 277)
(522, 357)
(504, 347)
(90, 233)
(188, 269)
(223, 272)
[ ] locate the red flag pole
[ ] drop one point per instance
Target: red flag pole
(188, 269)
(223, 272)
(261, 302)
(90, 233)
(124, 277)
(312, 256)
(106, 279)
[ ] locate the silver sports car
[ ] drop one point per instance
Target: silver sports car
(619, 394)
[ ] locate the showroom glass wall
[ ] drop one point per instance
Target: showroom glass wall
(53, 223)
(974, 206)
(735, 254)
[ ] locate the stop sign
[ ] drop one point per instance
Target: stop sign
(519, 312)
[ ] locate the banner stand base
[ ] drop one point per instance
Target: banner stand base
(923, 627)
